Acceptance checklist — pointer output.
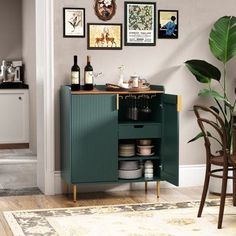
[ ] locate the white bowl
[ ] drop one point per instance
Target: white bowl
(145, 147)
(148, 171)
(145, 150)
(126, 147)
(130, 174)
(145, 142)
(148, 164)
(148, 176)
(129, 154)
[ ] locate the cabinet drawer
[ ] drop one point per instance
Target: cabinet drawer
(137, 131)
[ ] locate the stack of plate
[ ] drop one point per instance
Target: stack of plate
(126, 150)
(128, 165)
(129, 170)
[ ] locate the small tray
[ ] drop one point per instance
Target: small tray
(139, 89)
(114, 87)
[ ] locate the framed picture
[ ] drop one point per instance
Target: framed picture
(140, 23)
(105, 36)
(168, 24)
(105, 9)
(74, 22)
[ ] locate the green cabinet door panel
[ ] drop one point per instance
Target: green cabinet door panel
(170, 140)
(94, 138)
(65, 120)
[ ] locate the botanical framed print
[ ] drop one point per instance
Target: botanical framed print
(168, 21)
(105, 9)
(74, 22)
(104, 36)
(140, 23)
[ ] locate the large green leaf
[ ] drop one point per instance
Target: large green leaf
(203, 71)
(222, 39)
(214, 94)
(201, 135)
(211, 93)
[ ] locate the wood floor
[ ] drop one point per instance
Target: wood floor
(92, 199)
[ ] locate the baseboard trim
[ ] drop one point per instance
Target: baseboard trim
(190, 176)
(14, 145)
(18, 174)
(17, 161)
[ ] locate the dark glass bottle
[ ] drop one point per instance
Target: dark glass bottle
(88, 75)
(75, 76)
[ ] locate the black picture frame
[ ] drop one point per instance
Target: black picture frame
(73, 22)
(104, 36)
(137, 34)
(166, 17)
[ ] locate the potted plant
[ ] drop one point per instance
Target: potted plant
(222, 43)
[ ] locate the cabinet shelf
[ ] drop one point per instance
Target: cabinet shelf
(133, 158)
(142, 179)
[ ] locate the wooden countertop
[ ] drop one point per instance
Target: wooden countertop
(102, 90)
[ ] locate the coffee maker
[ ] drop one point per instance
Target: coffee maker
(11, 71)
(19, 72)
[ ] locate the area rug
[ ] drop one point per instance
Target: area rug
(164, 219)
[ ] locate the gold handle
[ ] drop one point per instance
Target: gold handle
(179, 103)
(117, 102)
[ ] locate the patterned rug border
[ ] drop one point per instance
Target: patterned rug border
(208, 202)
(41, 214)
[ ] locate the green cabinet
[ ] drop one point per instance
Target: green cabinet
(94, 124)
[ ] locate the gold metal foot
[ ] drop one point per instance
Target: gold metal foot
(65, 188)
(74, 192)
(146, 186)
(158, 189)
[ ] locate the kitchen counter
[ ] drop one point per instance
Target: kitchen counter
(13, 85)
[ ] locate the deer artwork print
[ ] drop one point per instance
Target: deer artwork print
(99, 41)
(110, 41)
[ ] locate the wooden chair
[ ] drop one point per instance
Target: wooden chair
(223, 159)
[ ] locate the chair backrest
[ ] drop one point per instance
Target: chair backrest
(213, 130)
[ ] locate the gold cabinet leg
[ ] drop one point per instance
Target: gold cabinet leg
(74, 192)
(158, 189)
(65, 188)
(146, 186)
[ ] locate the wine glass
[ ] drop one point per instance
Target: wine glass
(146, 110)
(96, 75)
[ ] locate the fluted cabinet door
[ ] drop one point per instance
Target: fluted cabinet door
(94, 139)
(170, 139)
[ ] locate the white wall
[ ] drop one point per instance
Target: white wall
(29, 58)
(10, 27)
(162, 64)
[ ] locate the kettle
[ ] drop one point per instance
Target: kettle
(3, 71)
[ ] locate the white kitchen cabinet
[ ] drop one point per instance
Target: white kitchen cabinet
(14, 116)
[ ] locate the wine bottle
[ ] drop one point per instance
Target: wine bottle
(88, 75)
(75, 76)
